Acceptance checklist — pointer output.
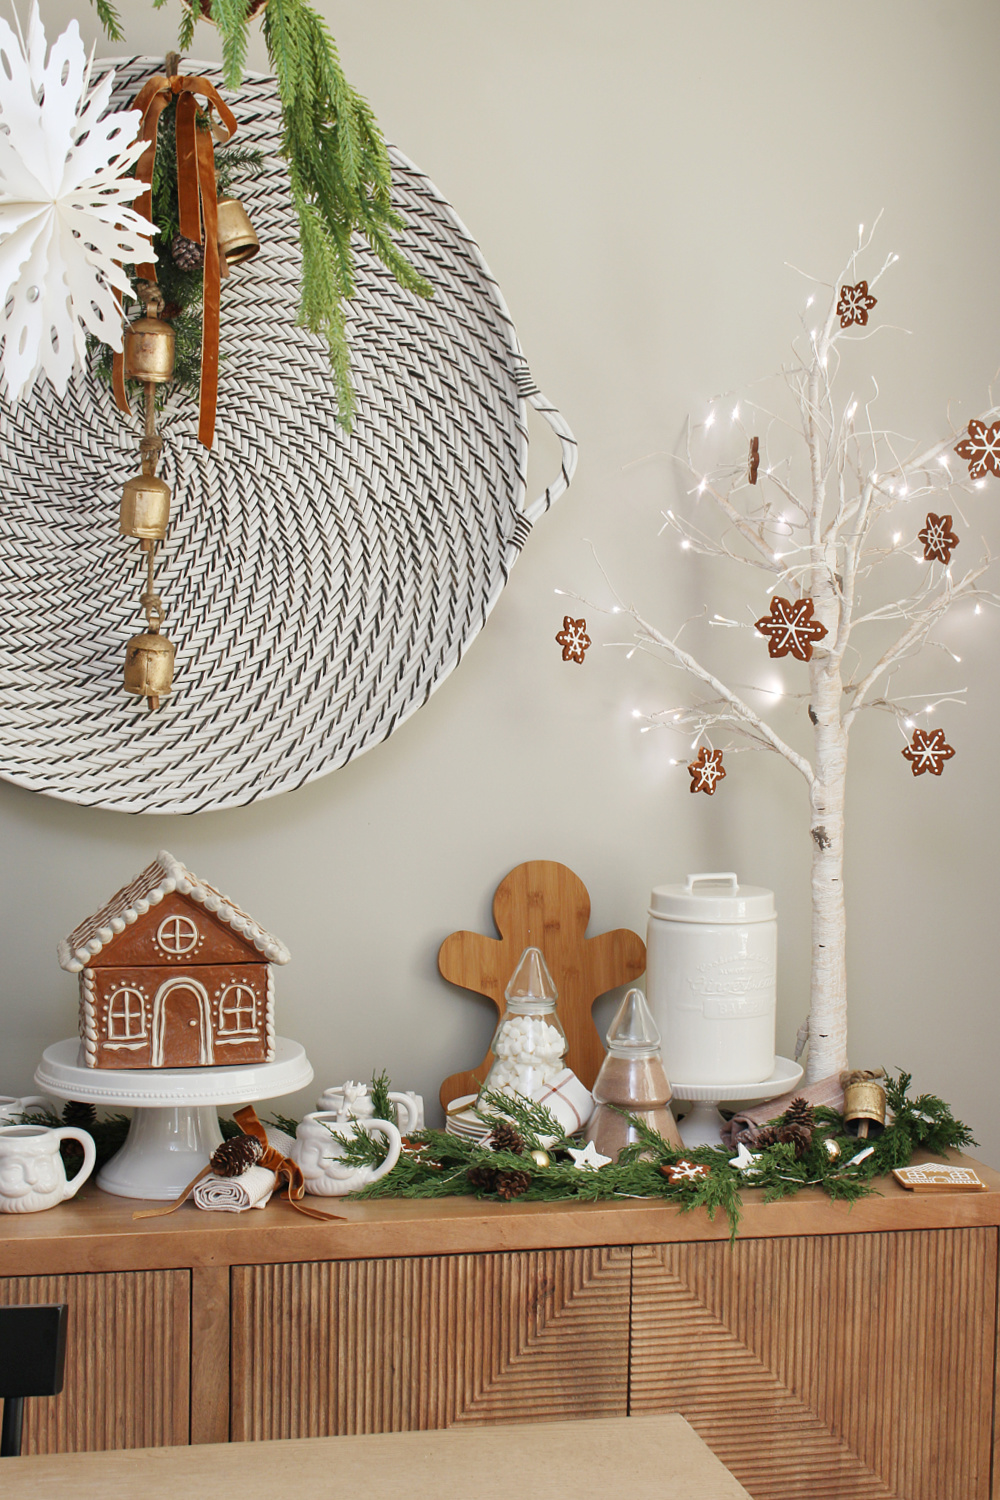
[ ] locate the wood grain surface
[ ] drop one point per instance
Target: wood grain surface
(662, 1458)
(848, 1368)
(127, 1361)
(322, 1349)
(543, 905)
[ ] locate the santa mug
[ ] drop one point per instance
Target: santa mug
(32, 1175)
(319, 1151)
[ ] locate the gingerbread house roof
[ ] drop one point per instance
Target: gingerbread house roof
(148, 889)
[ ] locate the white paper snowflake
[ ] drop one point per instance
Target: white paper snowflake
(64, 219)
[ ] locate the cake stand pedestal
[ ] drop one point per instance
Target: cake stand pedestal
(175, 1127)
(703, 1126)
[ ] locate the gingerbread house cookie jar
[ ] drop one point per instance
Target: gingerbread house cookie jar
(173, 975)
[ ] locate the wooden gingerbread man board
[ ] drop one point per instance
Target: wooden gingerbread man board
(544, 905)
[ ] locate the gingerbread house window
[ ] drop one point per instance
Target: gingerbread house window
(126, 1016)
(237, 1011)
(177, 935)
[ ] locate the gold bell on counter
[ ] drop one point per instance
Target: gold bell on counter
(145, 507)
(237, 239)
(149, 351)
(864, 1103)
(149, 666)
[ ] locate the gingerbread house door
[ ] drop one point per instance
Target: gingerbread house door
(182, 1031)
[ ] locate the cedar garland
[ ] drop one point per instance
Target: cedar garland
(338, 165)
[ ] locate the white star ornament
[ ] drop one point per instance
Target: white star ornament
(64, 219)
(745, 1161)
(589, 1159)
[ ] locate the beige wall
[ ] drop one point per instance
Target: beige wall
(638, 175)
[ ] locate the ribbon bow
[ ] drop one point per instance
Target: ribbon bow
(285, 1169)
(198, 206)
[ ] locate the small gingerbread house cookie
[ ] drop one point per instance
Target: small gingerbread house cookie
(173, 975)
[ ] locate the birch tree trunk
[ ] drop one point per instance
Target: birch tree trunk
(828, 987)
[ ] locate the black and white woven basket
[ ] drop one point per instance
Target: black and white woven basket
(319, 586)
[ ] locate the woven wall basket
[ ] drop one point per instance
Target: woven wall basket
(319, 586)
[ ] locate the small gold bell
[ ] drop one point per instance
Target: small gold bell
(864, 1104)
(145, 507)
(237, 240)
(149, 350)
(149, 666)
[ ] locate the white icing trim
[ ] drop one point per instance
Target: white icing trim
(88, 1017)
(164, 875)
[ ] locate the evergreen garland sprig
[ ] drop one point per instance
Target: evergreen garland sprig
(437, 1164)
(338, 165)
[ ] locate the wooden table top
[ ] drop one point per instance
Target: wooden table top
(95, 1231)
(654, 1457)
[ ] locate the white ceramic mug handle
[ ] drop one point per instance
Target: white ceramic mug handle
(384, 1127)
(70, 1133)
(407, 1107)
(33, 1099)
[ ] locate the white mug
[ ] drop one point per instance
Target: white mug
(32, 1175)
(353, 1101)
(319, 1148)
(13, 1111)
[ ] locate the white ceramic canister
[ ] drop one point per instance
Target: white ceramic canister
(711, 963)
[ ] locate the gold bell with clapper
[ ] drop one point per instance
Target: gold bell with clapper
(145, 507)
(149, 350)
(149, 656)
(237, 240)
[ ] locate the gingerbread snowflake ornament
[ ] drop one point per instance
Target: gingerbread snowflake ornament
(790, 628)
(938, 538)
(927, 751)
(706, 771)
(573, 639)
(685, 1171)
(981, 449)
(855, 304)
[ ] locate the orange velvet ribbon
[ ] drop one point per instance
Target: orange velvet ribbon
(285, 1169)
(198, 205)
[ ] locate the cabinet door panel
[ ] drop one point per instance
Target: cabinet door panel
(326, 1348)
(127, 1361)
(827, 1366)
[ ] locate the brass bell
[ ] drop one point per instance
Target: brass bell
(237, 240)
(149, 666)
(149, 351)
(145, 507)
(864, 1105)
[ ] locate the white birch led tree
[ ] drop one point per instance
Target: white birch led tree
(813, 516)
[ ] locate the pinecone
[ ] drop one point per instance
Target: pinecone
(188, 254)
(799, 1135)
(484, 1178)
(503, 1137)
(512, 1184)
(236, 1156)
(83, 1116)
(800, 1112)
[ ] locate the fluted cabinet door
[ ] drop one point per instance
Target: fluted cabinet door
(128, 1361)
(832, 1367)
(325, 1348)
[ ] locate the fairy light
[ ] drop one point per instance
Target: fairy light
(897, 537)
(710, 419)
(685, 545)
(978, 609)
(810, 301)
(980, 484)
(736, 412)
(909, 723)
(703, 486)
(851, 410)
(560, 591)
(904, 490)
(637, 713)
(943, 460)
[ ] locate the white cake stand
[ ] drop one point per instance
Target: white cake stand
(703, 1126)
(175, 1127)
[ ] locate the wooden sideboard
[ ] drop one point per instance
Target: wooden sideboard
(833, 1352)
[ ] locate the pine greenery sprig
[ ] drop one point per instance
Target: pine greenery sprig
(338, 165)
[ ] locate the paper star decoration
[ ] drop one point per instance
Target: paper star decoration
(938, 538)
(64, 223)
(745, 1161)
(981, 449)
(685, 1171)
(589, 1159)
(791, 628)
(927, 751)
(706, 771)
(855, 304)
(574, 640)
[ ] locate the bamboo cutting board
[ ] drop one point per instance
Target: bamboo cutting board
(544, 905)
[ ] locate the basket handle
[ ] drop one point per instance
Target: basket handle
(527, 388)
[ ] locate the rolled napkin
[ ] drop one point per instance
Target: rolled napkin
(827, 1091)
(251, 1189)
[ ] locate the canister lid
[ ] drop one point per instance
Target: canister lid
(712, 898)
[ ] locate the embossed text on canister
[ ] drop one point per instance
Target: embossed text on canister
(711, 978)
